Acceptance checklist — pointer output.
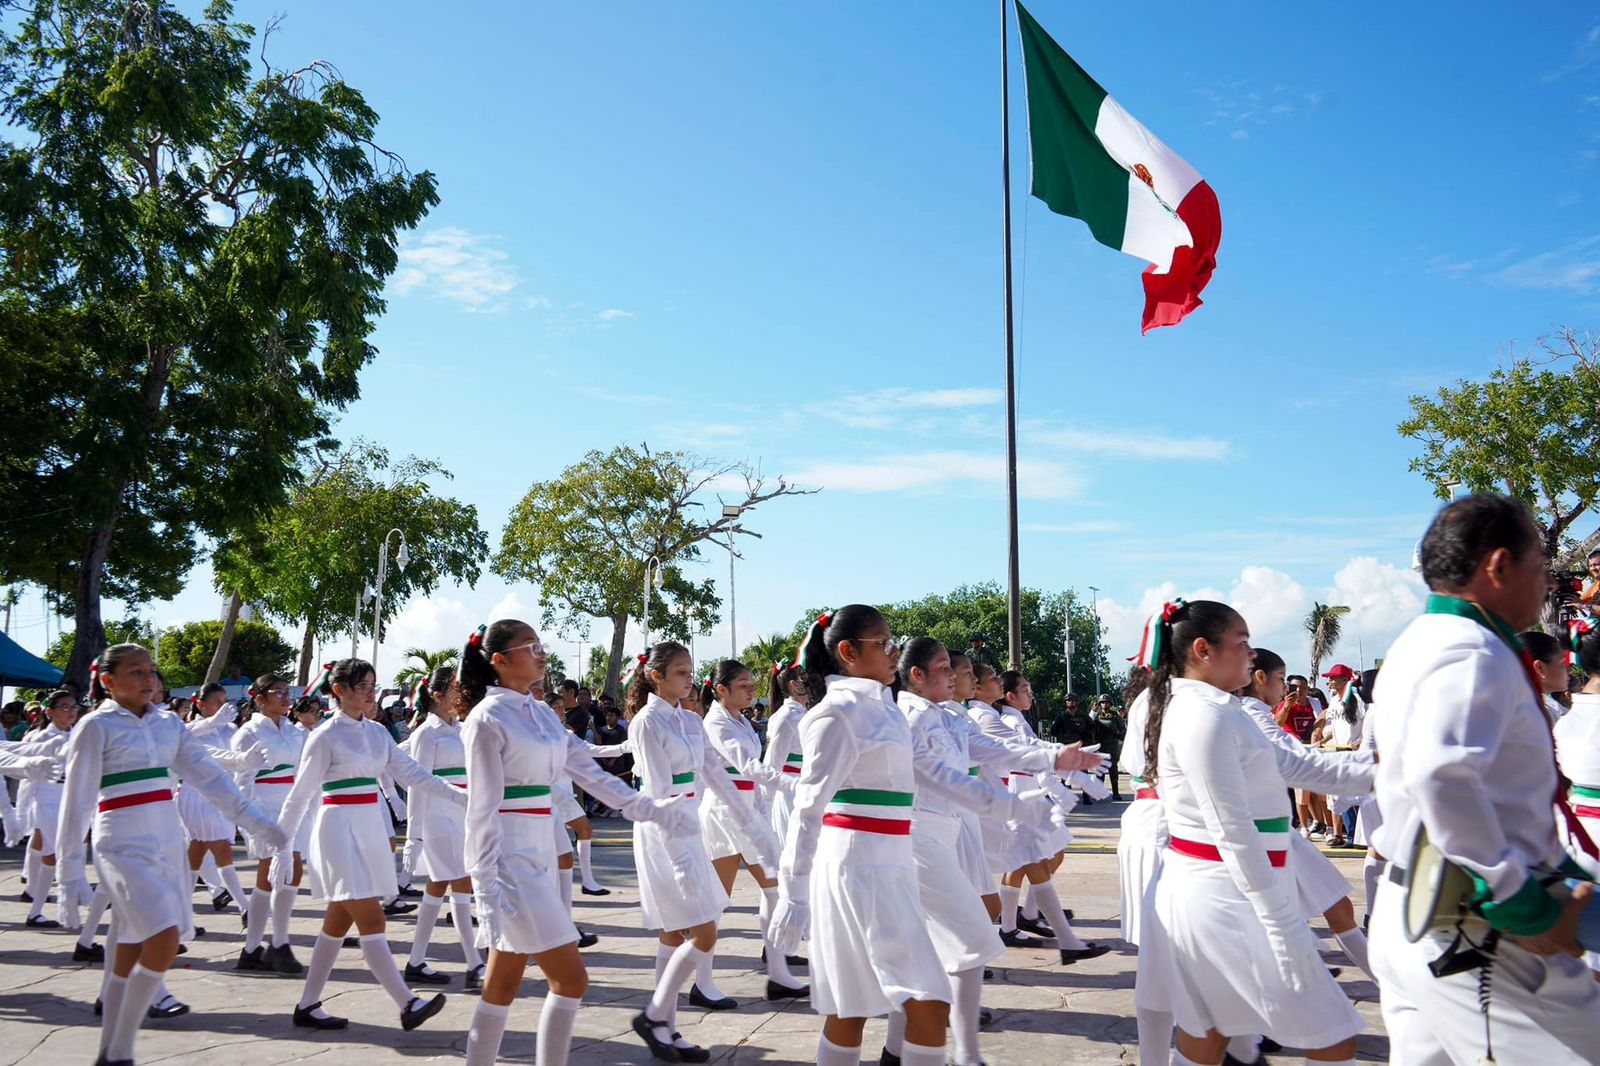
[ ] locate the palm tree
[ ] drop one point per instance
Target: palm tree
(420, 662)
(1324, 625)
(761, 654)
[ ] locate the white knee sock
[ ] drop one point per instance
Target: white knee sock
(30, 868)
(323, 955)
(139, 993)
(1008, 908)
(556, 1022)
(255, 918)
(461, 910)
(41, 890)
(895, 1038)
(1369, 873)
(211, 875)
(1056, 917)
(112, 988)
(488, 1029)
(1155, 1034)
(282, 910)
(704, 979)
(777, 961)
(966, 994)
(1354, 943)
(427, 914)
(674, 975)
(564, 882)
(831, 1054)
(91, 921)
(230, 881)
(380, 960)
(1030, 905)
(105, 972)
(920, 1055)
(585, 867)
(1246, 1049)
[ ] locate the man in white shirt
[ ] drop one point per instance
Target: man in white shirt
(1467, 755)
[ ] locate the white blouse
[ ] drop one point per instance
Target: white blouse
(1578, 741)
(783, 738)
(736, 743)
(1330, 773)
(947, 778)
(284, 743)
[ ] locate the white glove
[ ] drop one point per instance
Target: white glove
(282, 865)
(458, 796)
(397, 806)
(75, 894)
(764, 842)
(686, 872)
(1294, 951)
(492, 900)
(1033, 809)
(42, 767)
(410, 853)
(1092, 786)
(1076, 757)
(262, 757)
(14, 829)
(791, 916)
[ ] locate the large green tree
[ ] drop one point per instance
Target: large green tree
(1528, 430)
(194, 251)
(1324, 625)
(312, 559)
(586, 537)
(184, 652)
(953, 618)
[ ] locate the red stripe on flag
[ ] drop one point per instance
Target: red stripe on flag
(1169, 297)
(274, 780)
(135, 800)
(1196, 850)
(524, 810)
(745, 786)
(892, 827)
(345, 801)
(1586, 812)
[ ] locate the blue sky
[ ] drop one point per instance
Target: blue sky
(771, 231)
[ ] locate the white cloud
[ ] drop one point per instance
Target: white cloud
(900, 408)
(1574, 268)
(932, 472)
(457, 266)
(1382, 600)
(613, 314)
(1081, 440)
(432, 622)
(1073, 527)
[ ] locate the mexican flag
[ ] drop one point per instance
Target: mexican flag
(1092, 160)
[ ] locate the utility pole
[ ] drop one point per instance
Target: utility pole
(1094, 662)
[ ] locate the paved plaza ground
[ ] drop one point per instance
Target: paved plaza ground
(1044, 1012)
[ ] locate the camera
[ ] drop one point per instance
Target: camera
(1565, 597)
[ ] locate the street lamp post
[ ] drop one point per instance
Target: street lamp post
(403, 557)
(363, 598)
(1094, 655)
(730, 510)
(1066, 644)
(652, 577)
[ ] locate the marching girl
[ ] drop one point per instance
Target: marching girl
(350, 847)
(783, 737)
(29, 768)
(1578, 739)
(270, 730)
(515, 751)
(569, 814)
(120, 764)
(730, 691)
(679, 892)
(849, 873)
(40, 803)
(947, 782)
(210, 834)
(1224, 925)
(437, 747)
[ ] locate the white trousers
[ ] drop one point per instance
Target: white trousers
(1543, 1010)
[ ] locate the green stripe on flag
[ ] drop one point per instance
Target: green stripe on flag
(1272, 825)
(1072, 171)
(275, 770)
(873, 796)
(795, 758)
(126, 776)
(351, 782)
(517, 792)
(1586, 792)
(684, 778)
(451, 771)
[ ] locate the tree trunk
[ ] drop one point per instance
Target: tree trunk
(219, 658)
(619, 640)
(307, 649)
(89, 639)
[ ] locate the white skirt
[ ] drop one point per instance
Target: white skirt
(350, 852)
(1138, 859)
(1223, 973)
(527, 873)
(721, 835)
(45, 807)
(958, 922)
(140, 855)
(560, 839)
(202, 820)
(663, 902)
(870, 946)
(969, 852)
(444, 834)
(567, 806)
(1368, 819)
(782, 808)
(1005, 848)
(1317, 882)
(270, 798)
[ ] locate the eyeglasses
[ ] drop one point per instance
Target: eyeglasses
(891, 646)
(277, 693)
(533, 647)
(365, 687)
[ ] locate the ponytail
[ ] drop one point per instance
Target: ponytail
(919, 654)
(1266, 662)
(1169, 636)
(108, 662)
(784, 675)
(658, 659)
(477, 670)
(429, 689)
(818, 656)
(724, 674)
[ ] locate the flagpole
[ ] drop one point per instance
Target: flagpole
(1013, 565)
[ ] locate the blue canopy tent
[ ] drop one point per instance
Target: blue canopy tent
(23, 669)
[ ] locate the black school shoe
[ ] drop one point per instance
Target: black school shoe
(888, 1058)
(775, 992)
(103, 1061)
(420, 1010)
(1088, 951)
(221, 900)
(473, 981)
(1037, 926)
(39, 921)
(280, 959)
(691, 1052)
(92, 953)
(1015, 939)
(398, 907)
(425, 975)
(169, 1007)
(700, 999)
(660, 1050)
(586, 940)
(304, 1019)
(253, 960)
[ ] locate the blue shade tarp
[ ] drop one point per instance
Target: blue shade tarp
(23, 669)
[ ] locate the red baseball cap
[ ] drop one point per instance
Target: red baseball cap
(1341, 670)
